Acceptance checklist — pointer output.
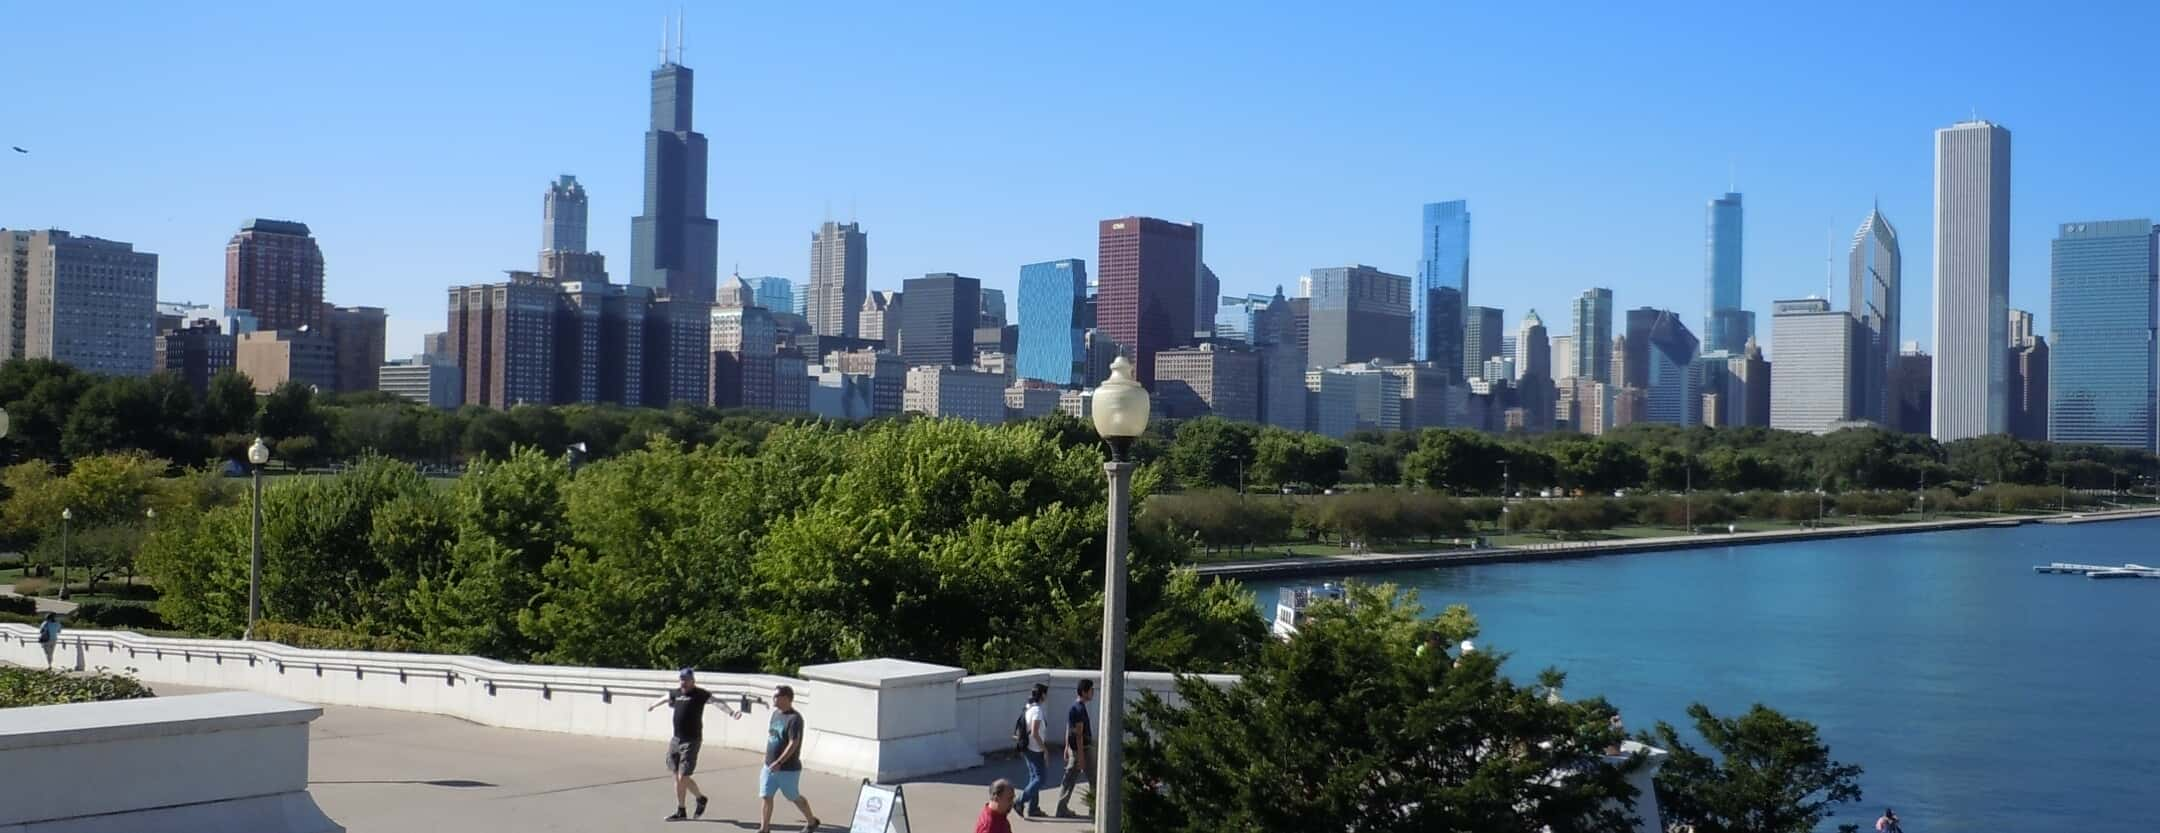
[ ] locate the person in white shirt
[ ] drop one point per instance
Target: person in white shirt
(1031, 795)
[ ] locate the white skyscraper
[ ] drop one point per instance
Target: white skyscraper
(1972, 280)
(839, 274)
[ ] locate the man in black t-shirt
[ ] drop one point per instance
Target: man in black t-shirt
(1079, 747)
(689, 703)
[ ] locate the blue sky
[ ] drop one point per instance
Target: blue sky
(416, 139)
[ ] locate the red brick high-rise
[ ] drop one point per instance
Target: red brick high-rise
(1148, 282)
(274, 269)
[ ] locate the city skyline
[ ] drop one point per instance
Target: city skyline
(1647, 227)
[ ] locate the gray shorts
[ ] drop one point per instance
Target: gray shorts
(682, 755)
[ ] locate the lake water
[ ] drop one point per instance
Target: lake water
(1978, 695)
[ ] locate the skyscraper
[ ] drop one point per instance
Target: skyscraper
(1533, 371)
(1726, 325)
(674, 247)
(1053, 296)
(1972, 280)
(937, 323)
(1219, 379)
(993, 309)
(1593, 335)
(1443, 263)
(1632, 368)
(839, 276)
(2021, 328)
(274, 269)
(1812, 384)
(774, 294)
(1875, 268)
(562, 213)
(356, 336)
(2104, 310)
(1358, 314)
(2029, 390)
(1148, 274)
(1675, 386)
(1482, 330)
(504, 336)
(87, 302)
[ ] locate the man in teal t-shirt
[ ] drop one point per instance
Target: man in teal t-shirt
(783, 761)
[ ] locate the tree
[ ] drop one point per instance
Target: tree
(1457, 460)
(1350, 726)
(1212, 451)
(228, 406)
(1374, 463)
(1772, 774)
(290, 413)
(1286, 457)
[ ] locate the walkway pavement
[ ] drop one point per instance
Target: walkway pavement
(45, 604)
(377, 771)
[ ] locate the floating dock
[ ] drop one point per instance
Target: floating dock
(2101, 571)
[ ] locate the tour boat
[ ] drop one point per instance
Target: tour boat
(1291, 602)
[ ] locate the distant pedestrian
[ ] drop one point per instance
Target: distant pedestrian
(1079, 748)
(48, 637)
(783, 761)
(689, 703)
(1888, 823)
(1031, 719)
(993, 817)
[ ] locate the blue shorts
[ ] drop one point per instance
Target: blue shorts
(786, 782)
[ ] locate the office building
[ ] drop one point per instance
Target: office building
(1443, 264)
(1628, 406)
(1331, 400)
(993, 309)
(2029, 390)
(839, 278)
(1498, 370)
(83, 301)
(678, 352)
(1562, 353)
(1004, 339)
(1379, 398)
(837, 395)
(1972, 280)
(1481, 340)
(1876, 269)
(563, 254)
(802, 300)
(1583, 406)
(1813, 386)
(1148, 278)
(425, 383)
(1593, 335)
(599, 340)
(437, 348)
(1427, 396)
(1631, 364)
(504, 335)
(775, 294)
(1053, 301)
(357, 335)
(274, 269)
(887, 374)
(937, 324)
(195, 352)
(674, 247)
(1727, 325)
(1913, 378)
(1282, 385)
(2104, 307)
(1748, 388)
(270, 358)
(879, 320)
(956, 393)
(735, 292)
(1358, 314)
(2021, 328)
(1535, 392)
(1219, 379)
(1675, 390)
(1029, 399)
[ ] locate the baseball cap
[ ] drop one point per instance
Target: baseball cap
(686, 673)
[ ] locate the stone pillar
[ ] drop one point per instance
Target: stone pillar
(883, 719)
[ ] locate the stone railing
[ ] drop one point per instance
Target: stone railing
(882, 718)
(208, 762)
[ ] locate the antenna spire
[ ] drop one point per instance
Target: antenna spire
(682, 25)
(664, 34)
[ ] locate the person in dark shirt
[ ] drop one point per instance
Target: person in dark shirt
(689, 703)
(783, 761)
(1079, 748)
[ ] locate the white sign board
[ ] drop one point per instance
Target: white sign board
(879, 809)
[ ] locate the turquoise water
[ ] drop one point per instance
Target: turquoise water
(1978, 695)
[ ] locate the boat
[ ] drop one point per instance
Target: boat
(2116, 574)
(1292, 602)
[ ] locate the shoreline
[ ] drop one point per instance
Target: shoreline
(1340, 565)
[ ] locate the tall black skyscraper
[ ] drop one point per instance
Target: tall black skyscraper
(674, 247)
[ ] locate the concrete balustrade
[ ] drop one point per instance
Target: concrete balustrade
(206, 762)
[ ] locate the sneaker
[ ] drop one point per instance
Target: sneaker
(812, 824)
(1036, 813)
(701, 800)
(1066, 814)
(679, 815)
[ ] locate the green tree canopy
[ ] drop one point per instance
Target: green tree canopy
(1770, 774)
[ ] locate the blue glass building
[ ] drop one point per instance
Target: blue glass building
(1443, 261)
(1053, 299)
(1726, 326)
(775, 294)
(2105, 307)
(1675, 385)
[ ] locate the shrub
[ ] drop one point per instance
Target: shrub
(11, 618)
(18, 604)
(30, 687)
(31, 586)
(118, 615)
(302, 636)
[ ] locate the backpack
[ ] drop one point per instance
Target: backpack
(1020, 731)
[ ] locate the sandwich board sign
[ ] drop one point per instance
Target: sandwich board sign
(879, 809)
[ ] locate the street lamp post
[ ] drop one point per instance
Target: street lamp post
(258, 456)
(67, 519)
(1121, 413)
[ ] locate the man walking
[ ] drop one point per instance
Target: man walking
(48, 637)
(1032, 752)
(1079, 748)
(783, 761)
(992, 818)
(689, 703)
